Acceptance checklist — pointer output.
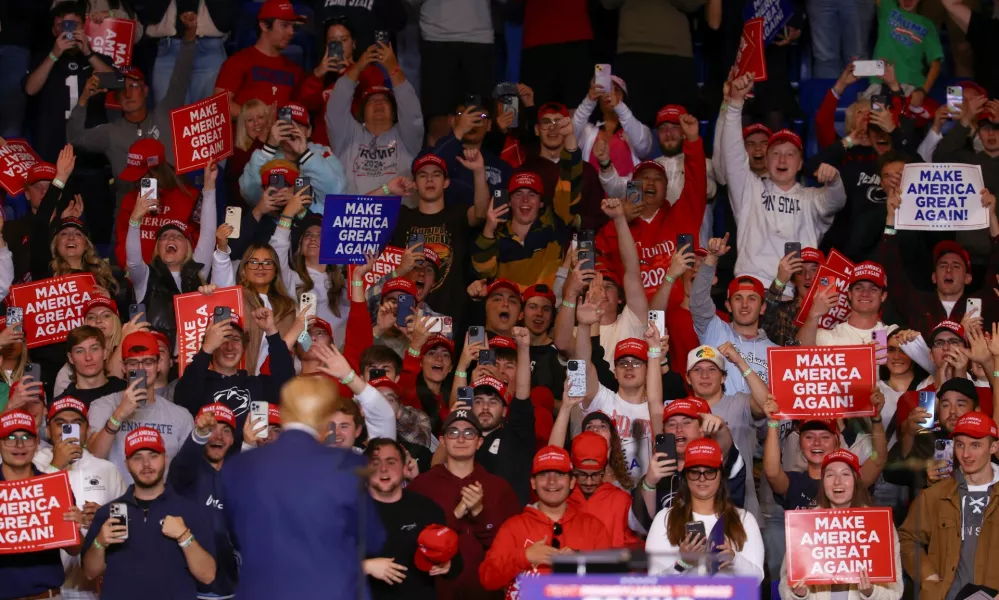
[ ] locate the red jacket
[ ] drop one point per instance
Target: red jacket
(611, 505)
(656, 240)
(175, 205)
(508, 557)
(356, 338)
(475, 534)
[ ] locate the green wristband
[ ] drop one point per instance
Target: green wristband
(646, 486)
(462, 374)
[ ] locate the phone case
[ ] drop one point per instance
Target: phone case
(476, 334)
(869, 68)
(119, 510)
(233, 217)
(308, 298)
(602, 77)
(973, 304)
(135, 309)
(404, 309)
(658, 318)
(258, 410)
(305, 340)
(148, 183)
(928, 400)
(577, 378)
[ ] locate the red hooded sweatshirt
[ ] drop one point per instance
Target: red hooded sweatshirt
(175, 205)
(656, 239)
(475, 534)
(611, 505)
(508, 556)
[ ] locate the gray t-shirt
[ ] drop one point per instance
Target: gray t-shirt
(734, 408)
(173, 422)
(974, 501)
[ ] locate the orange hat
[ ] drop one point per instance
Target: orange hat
(143, 438)
(142, 156)
(704, 452)
(67, 403)
(223, 413)
(17, 420)
(436, 545)
(552, 458)
(139, 343)
(589, 446)
(976, 425)
(843, 456)
(631, 347)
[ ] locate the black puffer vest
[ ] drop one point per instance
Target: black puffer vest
(160, 290)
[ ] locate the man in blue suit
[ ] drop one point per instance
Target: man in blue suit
(297, 509)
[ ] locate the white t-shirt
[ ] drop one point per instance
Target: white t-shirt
(948, 305)
(663, 555)
(633, 425)
(627, 325)
(844, 334)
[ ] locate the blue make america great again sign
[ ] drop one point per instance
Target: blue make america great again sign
(356, 225)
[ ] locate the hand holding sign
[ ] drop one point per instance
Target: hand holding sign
(833, 546)
(826, 298)
(823, 381)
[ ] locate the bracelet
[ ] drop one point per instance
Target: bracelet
(348, 379)
(356, 284)
(747, 372)
(568, 304)
(670, 279)
(413, 352)
(111, 431)
(53, 57)
(684, 565)
(284, 222)
(183, 533)
(848, 142)
(646, 486)
(773, 423)
(461, 374)
(98, 545)
(386, 190)
(655, 352)
(995, 374)
(186, 542)
(134, 224)
(59, 183)
(876, 419)
(779, 284)
(114, 422)
(889, 231)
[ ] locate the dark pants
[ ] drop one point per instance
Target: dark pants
(558, 72)
(450, 70)
(655, 80)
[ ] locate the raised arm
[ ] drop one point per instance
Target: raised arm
(634, 291)
(736, 162)
(771, 450)
(588, 317)
(870, 471)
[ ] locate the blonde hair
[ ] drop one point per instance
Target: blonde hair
(18, 371)
(243, 139)
(310, 401)
(281, 302)
(91, 262)
(851, 113)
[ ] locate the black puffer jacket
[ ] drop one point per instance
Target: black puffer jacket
(160, 290)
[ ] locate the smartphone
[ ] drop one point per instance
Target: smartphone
(928, 401)
(973, 304)
(792, 248)
(437, 326)
(135, 309)
(879, 102)
(586, 239)
(221, 314)
(233, 217)
(15, 317)
(685, 239)
(151, 186)
(602, 77)
(500, 197)
(511, 104)
(308, 298)
(334, 50)
(477, 335)
(658, 318)
(382, 37)
(34, 371)
(880, 339)
(587, 259)
(417, 239)
(576, 372)
(666, 444)
(696, 527)
(869, 68)
(487, 357)
(466, 395)
(404, 309)
(118, 512)
(258, 410)
(277, 181)
(68, 28)
(447, 326)
(305, 340)
(955, 98)
(138, 375)
(284, 114)
(71, 431)
(110, 81)
(634, 193)
(944, 450)
(375, 374)
(300, 184)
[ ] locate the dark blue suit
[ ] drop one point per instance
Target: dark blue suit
(295, 509)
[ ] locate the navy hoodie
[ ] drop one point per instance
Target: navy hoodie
(462, 187)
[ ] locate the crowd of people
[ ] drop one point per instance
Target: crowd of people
(571, 353)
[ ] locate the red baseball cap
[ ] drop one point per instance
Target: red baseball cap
(539, 290)
(162, 338)
(437, 341)
(488, 381)
(704, 452)
(299, 114)
(552, 107)
(829, 425)
(749, 130)
(279, 9)
(591, 448)
(502, 341)
(843, 456)
(688, 407)
(967, 84)
(143, 438)
(785, 136)
(631, 347)
(436, 545)
(951, 247)
(67, 403)
(40, 171)
(431, 256)
(142, 156)
(869, 271)
(399, 284)
(386, 383)
(223, 413)
(976, 425)
(670, 113)
(277, 167)
(609, 274)
(503, 284)
(526, 179)
(649, 164)
(17, 420)
(812, 255)
(552, 458)
(429, 160)
(139, 343)
(273, 414)
(322, 324)
(746, 283)
(947, 325)
(133, 72)
(104, 301)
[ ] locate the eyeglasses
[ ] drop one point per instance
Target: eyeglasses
(584, 476)
(556, 532)
(138, 364)
(259, 264)
(13, 440)
(629, 363)
(547, 123)
(453, 433)
(938, 343)
(706, 475)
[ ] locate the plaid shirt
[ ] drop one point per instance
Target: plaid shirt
(413, 426)
(778, 319)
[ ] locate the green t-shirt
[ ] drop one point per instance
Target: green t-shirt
(907, 39)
